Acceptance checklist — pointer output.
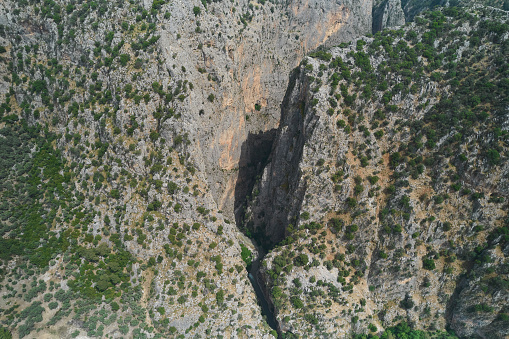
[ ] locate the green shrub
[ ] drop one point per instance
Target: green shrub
(311, 318)
(373, 179)
(407, 303)
(124, 59)
(245, 254)
(484, 308)
(182, 299)
(428, 264)
(493, 156)
(301, 260)
(322, 55)
(296, 302)
(351, 202)
(220, 297)
(395, 159)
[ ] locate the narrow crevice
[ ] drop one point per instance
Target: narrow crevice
(255, 154)
(269, 189)
(377, 15)
(257, 281)
(461, 283)
(277, 199)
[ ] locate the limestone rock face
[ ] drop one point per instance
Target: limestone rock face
(281, 186)
(150, 104)
(365, 196)
(388, 14)
(251, 63)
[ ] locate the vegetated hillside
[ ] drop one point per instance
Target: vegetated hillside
(394, 13)
(387, 186)
(121, 129)
(108, 228)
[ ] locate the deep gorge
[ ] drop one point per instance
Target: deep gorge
(149, 148)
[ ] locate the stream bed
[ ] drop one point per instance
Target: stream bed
(267, 312)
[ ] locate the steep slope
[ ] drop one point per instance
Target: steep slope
(239, 62)
(394, 13)
(386, 190)
(387, 14)
(121, 126)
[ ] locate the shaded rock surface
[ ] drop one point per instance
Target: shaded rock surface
(388, 14)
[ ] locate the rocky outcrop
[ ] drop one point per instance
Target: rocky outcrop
(388, 14)
(413, 7)
(364, 188)
(281, 187)
(251, 61)
(478, 307)
(159, 110)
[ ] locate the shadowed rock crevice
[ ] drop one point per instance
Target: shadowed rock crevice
(255, 154)
(278, 197)
(388, 14)
(268, 180)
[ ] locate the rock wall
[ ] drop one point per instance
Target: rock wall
(368, 232)
(281, 187)
(251, 61)
(388, 14)
(150, 105)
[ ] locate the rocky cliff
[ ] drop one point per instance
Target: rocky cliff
(248, 52)
(388, 14)
(386, 190)
(394, 13)
(122, 125)
(131, 131)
